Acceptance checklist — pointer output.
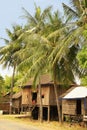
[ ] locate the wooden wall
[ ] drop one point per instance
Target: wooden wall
(45, 90)
(48, 95)
(60, 91)
(5, 107)
(16, 103)
(26, 96)
(69, 107)
(5, 103)
(84, 106)
(52, 99)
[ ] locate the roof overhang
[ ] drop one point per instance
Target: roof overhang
(76, 93)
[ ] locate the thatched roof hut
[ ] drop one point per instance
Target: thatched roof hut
(30, 97)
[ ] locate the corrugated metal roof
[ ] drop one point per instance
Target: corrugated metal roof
(78, 92)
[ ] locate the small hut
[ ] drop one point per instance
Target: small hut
(16, 102)
(5, 103)
(74, 103)
(31, 99)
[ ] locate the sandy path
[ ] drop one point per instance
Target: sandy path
(14, 125)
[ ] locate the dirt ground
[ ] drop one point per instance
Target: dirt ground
(52, 125)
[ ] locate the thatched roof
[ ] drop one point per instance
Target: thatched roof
(17, 95)
(44, 79)
(77, 93)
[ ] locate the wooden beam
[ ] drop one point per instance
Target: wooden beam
(48, 113)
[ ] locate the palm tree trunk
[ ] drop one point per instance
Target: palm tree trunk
(57, 101)
(40, 98)
(12, 85)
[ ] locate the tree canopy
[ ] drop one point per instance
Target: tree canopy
(49, 44)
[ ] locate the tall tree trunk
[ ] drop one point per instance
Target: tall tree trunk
(40, 98)
(58, 103)
(11, 92)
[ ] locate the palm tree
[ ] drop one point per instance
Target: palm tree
(37, 22)
(44, 44)
(34, 64)
(35, 26)
(6, 54)
(49, 48)
(70, 42)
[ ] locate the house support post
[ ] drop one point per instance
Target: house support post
(48, 113)
(21, 109)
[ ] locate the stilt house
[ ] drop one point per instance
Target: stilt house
(31, 99)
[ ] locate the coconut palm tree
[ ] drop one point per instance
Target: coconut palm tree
(37, 22)
(44, 44)
(48, 41)
(6, 54)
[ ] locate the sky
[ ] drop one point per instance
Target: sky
(11, 10)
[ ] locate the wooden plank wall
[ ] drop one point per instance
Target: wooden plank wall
(52, 99)
(69, 107)
(45, 95)
(26, 96)
(4, 106)
(48, 95)
(16, 103)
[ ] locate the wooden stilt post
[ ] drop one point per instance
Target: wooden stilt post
(21, 109)
(48, 113)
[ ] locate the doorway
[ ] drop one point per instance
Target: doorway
(78, 107)
(34, 97)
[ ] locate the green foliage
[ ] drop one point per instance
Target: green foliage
(45, 44)
(7, 84)
(82, 57)
(84, 80)
(2, 89)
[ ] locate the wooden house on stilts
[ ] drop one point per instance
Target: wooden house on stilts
(31, 99)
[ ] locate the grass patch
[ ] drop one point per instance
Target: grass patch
(53, 125)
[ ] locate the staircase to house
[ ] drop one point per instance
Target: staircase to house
(30, 110)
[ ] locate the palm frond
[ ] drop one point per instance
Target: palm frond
(28, 16)
(6, 40)
(69, 12)
(76, 5)
(46, 12)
